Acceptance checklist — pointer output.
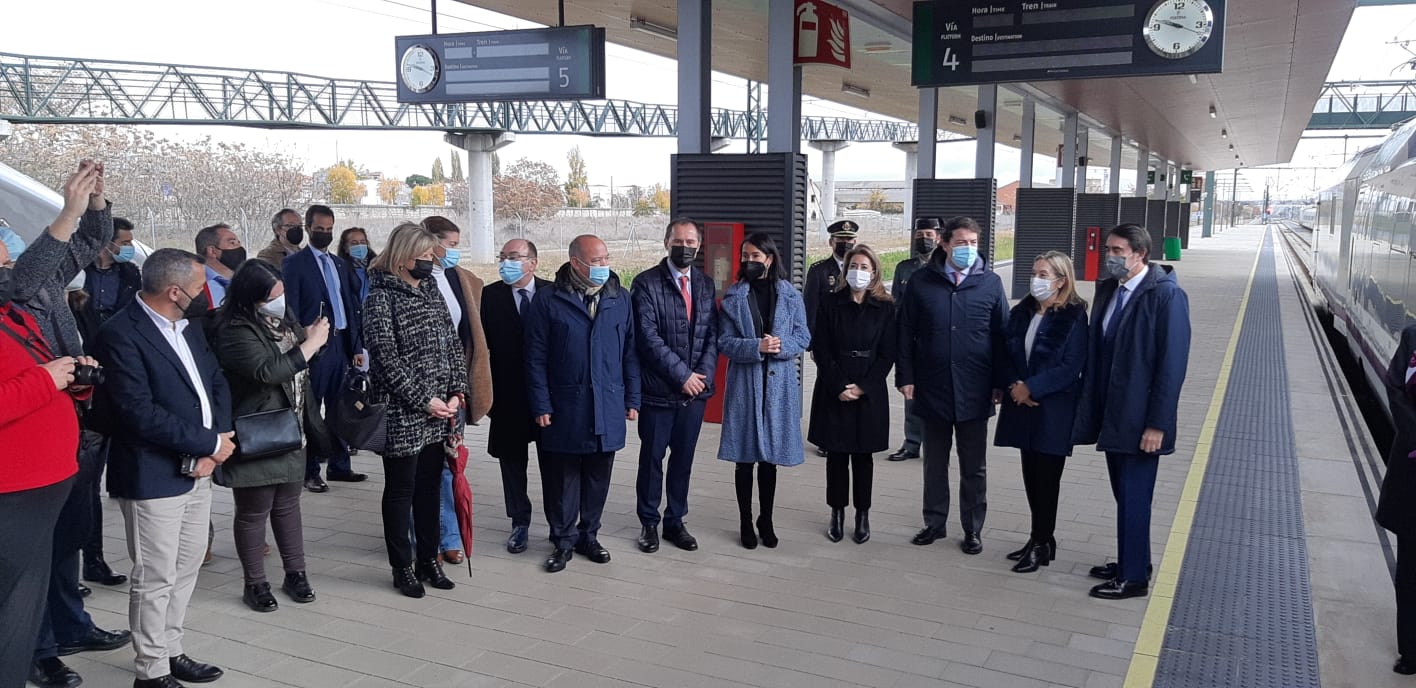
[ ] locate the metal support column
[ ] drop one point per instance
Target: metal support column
(828, 176)
(1114, 178)
(1029, 136)
(756, 123)
(480, 147)
(928, 131)
(784, 79)
(987, 134)
(911, 149)
(1081, 161)
(695, 84)
(1142, 167)
(1067, 171)
(1207, 230)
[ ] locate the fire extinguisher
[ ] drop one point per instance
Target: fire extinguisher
(807, 39)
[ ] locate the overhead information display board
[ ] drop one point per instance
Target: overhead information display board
(555, 63)
(963, 42)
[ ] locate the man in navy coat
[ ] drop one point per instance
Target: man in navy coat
(951, 364)
(1130, 393)
(582, 376)
(174, 410)
(314, 288)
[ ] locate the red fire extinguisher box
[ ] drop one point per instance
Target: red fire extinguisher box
(722, 242)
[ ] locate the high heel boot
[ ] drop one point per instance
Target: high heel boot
(742, 479)
(1035, 556)
(862, 531)
(835, 531)
(1016, 555)
(407, 582)
(431, 570)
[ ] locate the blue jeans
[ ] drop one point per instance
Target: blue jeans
(451, 533)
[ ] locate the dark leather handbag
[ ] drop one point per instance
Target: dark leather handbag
(268, 433)
(355, 418)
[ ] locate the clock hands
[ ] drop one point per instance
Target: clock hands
(1177, 25)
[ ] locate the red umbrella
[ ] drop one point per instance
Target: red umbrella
(461, 489)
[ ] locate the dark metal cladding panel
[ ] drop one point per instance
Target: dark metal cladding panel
(1093, 210)
(1184, 225)
(766, 193)
(1172, 218)
(1133, 211)
(1155, 224)
(946, 198)
(1044, 222)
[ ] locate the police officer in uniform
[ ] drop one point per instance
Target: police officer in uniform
(823, 275)
(922, 243)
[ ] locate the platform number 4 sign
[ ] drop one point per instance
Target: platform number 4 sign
(823, 34)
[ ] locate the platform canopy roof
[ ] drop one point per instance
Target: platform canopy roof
(1277, 55)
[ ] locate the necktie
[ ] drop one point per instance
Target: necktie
(1115, 318)
(958, 278)
(590, 305)
(336, 300)
(525, 302)
(687, 297)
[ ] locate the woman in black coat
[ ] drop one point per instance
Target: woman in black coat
(1046, 339)
(1395, 510)
(854, 349)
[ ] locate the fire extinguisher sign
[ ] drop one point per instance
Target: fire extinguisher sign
(823, 34)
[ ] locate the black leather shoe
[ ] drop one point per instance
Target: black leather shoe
(593, 550)
(316, 485)
(96, 570)
(159, 682)
(1037, 554)
(297, 586)
(649, 539)
(96, 640)
(681, 539)
(748, 533)
(407, 582)
(50, 672)
(836, 530)
(971, 544)
(1016, 555)
(192, 671)
(347, 477)
(903, 455)
(1119, 590)
(927, 536)
(516, 544)
(84, 590)
(862, 529)
(430, 570)
(558, 559)
(1404, 666)
(1107, 571)
(259, 599)
(764, 531)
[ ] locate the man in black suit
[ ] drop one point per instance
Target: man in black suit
(174, 409)
(314, 289)
(504, 304)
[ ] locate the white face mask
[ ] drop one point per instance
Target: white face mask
(275, 308)
(858, 279)
(1041, 289)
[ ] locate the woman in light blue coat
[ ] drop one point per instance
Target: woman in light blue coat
(762, 330)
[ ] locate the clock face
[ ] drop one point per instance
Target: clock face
(1178, 28)
(418, 69)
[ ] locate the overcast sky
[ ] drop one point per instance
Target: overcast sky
(353, 39)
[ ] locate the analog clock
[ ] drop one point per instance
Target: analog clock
(1178, 28)
(418, 68)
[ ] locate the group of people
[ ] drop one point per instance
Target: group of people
(211, 366)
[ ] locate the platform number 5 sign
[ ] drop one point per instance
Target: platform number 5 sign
(823, 34)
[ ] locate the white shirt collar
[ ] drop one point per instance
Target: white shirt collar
(163, 324)
(1131, 284)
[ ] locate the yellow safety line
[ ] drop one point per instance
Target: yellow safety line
(1146, 655)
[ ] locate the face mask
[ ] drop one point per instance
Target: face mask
(1116, 267)
(125, 254)
(295, 235)
(233, 258)
(1041, 289)
(449, 260)
(359, 252)
(842, 248)
(599, 274)
(753, 269)
(5, 285)
(198, 306)
(923, 247)
(275, 308)
(858, 279)
(422, 269)
(963, 256)
(511, 271)
(321, 240)
(682, 256)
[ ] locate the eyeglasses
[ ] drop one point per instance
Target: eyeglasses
(294, 226)
(518, 257)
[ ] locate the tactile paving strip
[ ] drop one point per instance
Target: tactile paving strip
(1243, 613)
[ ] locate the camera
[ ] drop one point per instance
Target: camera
(88, 375)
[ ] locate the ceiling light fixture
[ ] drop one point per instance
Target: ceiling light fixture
(646, 26)
(881, 47)
(1192, 79)
(1224, 133)
(1231, 146)
(1017, 137)
(855, 90)
(955, 119)
(1213, 113)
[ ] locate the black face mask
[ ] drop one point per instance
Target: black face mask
(321, 240)
(422, 269)
(199, 305)
(6, 285)
(923, 247)
(753, 269)
(233, 258)
(842, 248)
(682, 256)
(295, 235)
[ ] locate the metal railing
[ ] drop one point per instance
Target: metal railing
(1363, 105)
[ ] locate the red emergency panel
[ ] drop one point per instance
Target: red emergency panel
(722, 242)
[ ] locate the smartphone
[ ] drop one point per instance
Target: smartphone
(189, 466)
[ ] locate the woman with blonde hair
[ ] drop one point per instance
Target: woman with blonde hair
(854, 349)
(1046, 340)
(418, 367)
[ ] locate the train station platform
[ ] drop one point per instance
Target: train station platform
(1269, 569)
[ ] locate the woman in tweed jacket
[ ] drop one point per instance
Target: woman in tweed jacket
(418, 368)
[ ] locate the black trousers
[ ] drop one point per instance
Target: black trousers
(1042, 480)
(584, 488)
(1406, 595)
(412, 490)
(515, 486)
(675, 431)
(27, 521)
(839, 468)
(65, 619)
(973, 467)
(93, 547)
(326, 379)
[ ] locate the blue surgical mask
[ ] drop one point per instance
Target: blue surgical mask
(963, 256)
(449, 261)
(359, 252)
(125, 254)
(599, 274)
(511, 271)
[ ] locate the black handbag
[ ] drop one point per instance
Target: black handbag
(355, 418)
(268, 433)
